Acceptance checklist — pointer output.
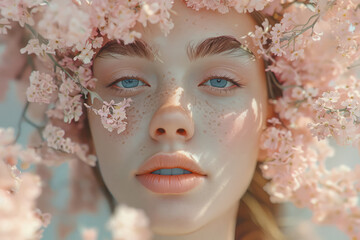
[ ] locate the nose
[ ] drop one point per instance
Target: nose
(170, 123)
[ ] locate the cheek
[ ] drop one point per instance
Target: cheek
(239, 122)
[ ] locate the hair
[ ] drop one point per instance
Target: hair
(257, 215)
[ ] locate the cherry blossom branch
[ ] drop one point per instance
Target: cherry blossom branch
(84, 90)
(296, 33)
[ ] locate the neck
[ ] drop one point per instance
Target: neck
(222, 227)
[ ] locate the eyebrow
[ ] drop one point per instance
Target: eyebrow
(221, 45)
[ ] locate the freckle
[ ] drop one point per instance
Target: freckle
(137, 111)
(143, 112)
(220, 140)
(218, 124)
(123, 142)
(204, 131)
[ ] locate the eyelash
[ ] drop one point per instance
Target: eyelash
(237, 83)
(119, 89)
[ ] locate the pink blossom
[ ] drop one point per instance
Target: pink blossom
(271, 139)
(113, 115)
(35, 47)
(331, 97)
(89, 234)
(298, 93)
(6, 136)
(272, 7)
(85, 77)
(274, 121)
(149, 13)
(311, 92)
(86, 52)
(129, 223)
(68, 86)
(71, 106)
(55, 138)
(297, 54)
(41, 88)
(277, 30)
(277, 50)
(288, 20)
(323, 129)
(130, 37)
(97, 42)
(344, 131)
(29, 156)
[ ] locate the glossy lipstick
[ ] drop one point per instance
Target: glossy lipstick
(170, 183)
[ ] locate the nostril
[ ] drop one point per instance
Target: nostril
(181, 131)
(160, 131)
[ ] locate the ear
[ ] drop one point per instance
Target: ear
(270, 113)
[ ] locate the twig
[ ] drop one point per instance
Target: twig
(20, 121)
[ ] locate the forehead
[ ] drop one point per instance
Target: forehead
(192, 26)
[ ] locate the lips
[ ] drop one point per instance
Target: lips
(170, 184)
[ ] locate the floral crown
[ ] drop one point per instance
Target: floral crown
(311, 51)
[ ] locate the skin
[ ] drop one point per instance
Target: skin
(222, 128)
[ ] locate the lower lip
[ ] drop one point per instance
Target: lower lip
(170, 183)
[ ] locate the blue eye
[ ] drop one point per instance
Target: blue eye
(129, 83)
(219, 83)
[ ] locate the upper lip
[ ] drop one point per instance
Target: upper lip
(178, 159)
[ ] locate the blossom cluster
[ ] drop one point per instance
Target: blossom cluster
(113, 115)
(224, 6)
(126, 223)
(41, 87)
(313, 52)
(129, 223)
(312, 47)
(19, 216)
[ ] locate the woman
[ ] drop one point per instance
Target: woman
(198, 93)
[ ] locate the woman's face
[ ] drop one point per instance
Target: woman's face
(217, 99)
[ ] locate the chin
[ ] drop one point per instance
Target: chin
(174, 224)
(173, 227)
